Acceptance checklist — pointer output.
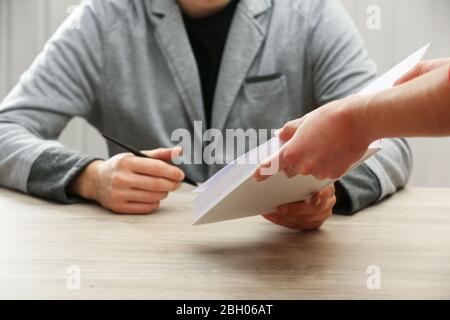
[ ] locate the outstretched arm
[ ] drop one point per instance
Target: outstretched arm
(418, 106)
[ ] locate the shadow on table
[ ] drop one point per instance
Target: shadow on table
(285, 255)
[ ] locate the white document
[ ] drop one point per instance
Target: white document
(233, 193)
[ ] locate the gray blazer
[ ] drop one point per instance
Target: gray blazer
(126, 66)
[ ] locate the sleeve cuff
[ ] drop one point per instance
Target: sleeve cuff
(357, 190)
(53, 171)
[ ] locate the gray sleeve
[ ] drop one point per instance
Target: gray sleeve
(340, 67)
(367, 193)
(62, 83)
(64, 165)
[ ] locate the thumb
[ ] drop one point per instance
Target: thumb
(165, 154)
(289, 129)
(410, 75)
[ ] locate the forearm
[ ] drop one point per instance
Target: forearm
(419, 108)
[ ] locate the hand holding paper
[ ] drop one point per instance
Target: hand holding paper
(306, 215)
(328, 141)
(233, 192)
(323, 143)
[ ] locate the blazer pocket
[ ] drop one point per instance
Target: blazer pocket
(255, 87)
(264, 78)
(266, 102)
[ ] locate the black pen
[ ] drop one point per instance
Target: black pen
(139, 154)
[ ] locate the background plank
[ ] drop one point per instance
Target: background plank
(27, 35)
(78, 135)
(4, 71)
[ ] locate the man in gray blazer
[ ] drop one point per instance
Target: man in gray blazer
(141, 69)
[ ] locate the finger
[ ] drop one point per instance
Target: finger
(156, 168)
(315, 222)
(165, 154)
(298, 218)
(297, 208)
(259, 176)
(269, 167)
(265, 171)
(272, 217)
(303, 208)
(306, 219)
(275, 219)
(291, 152)
(323, 195)
(137, 208)
(316, 199)
(315, 219)
(153, 184)
(328, 191)
(142, 196)
(412, 74)
(279, 161)
(289, 129)
(290, 172)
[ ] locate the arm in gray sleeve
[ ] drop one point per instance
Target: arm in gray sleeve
(341, 67)
(62, 83)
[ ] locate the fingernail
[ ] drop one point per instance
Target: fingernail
(266, 163)
(318, 201)
(289, 173)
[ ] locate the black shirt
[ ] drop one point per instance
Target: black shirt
(208, 37)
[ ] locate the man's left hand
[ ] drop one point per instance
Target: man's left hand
(306, 216)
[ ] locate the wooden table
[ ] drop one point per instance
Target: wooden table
(163, 256)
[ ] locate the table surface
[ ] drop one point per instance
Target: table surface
(161, 256)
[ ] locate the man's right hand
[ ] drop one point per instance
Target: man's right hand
(127, 184)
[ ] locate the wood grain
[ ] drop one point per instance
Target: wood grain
(162, 256)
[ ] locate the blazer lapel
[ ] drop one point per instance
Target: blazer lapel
(173, 40)
(245, 40)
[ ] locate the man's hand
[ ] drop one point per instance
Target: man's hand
(130, 185)
(306, 216)
(324, 143)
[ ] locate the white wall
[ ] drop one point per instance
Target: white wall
(25, 25)
(406, 25)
